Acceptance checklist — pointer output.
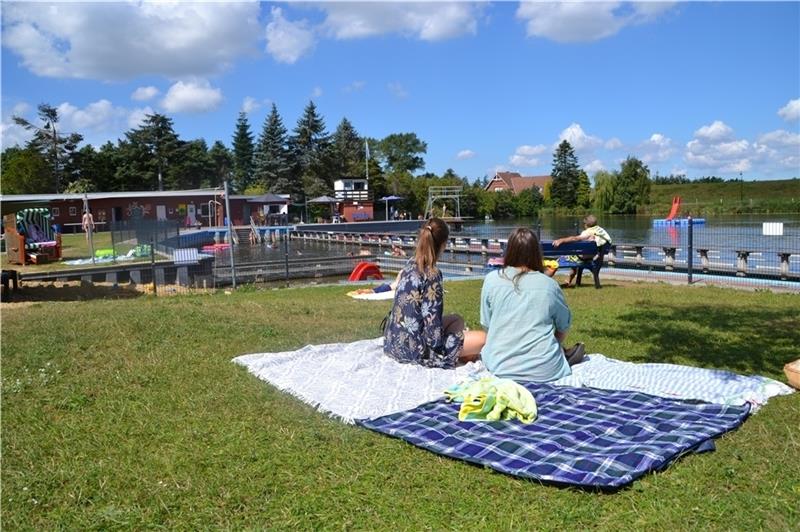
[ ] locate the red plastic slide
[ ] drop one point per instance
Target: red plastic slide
(676, 206)
(365, 270)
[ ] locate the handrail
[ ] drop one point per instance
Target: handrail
(254, 230)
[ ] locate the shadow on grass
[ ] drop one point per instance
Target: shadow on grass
(743, 339)
(49, 292)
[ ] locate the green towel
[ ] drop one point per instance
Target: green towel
(493, 399)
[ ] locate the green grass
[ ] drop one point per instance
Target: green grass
(128, 414)
(73, 246)
(728, 198)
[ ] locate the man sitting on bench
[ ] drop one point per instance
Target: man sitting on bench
(592, 232)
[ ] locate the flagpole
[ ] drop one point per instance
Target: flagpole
(366, 160)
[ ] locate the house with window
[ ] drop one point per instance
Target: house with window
(354, 199)
(516, 183)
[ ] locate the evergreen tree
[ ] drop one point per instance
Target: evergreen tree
(632, 187)
(243, 152)
(103, 167)
(564, 191)
(309, 145)
(347, 150)
(148, 153)
(54, 145)
(192, 167)
(272, 168)
(222, 163)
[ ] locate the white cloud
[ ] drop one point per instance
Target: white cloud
(137, 116)
(781, 138)
(87, 40)
(585, 21)
(144, 93)
(250, 104)
(97, 117)
(594, 166)
(714, 132)
(316, 92)
(428, 21)
(20, 109)
(656, 149)
(613, 144)
(465, 154)
(578, 139)
(288, 41)
(526, 156)
(714, 148)
(791, 111)
(397, 90)
(191, 97)
(355, 86)
(13, 135)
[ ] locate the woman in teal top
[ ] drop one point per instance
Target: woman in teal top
(525, 314)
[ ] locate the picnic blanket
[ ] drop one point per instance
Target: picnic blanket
(675, 381)
(582, 437)
(356, 380)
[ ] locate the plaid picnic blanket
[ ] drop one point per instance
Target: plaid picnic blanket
(582, 437)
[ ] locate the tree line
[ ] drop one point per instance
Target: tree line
(303, 163)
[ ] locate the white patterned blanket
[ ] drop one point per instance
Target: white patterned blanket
(356, 381)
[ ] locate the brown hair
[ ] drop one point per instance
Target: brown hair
(522, 251)
(432, 235)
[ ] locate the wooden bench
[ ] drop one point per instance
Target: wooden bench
(580, 249)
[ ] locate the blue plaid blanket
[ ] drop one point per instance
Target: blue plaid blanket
(582, 437)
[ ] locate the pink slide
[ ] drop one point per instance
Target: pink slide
(676, 206)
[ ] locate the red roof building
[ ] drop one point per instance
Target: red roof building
(516, 183)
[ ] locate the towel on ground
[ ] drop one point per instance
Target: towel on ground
(492, 399)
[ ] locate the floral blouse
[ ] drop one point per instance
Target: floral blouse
(414, 332)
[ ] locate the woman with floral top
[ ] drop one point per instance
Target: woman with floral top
(417, 332)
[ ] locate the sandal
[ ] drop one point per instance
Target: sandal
(575, 354)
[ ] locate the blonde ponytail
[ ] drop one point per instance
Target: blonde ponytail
(433, 234)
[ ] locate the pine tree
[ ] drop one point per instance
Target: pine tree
(348, 154)
(222, 162)
(54, 145)
(564, 191)
(243, 151)
(272, 169)
(148, 154)
(309, 145)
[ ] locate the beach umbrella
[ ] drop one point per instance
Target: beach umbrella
(387, 199)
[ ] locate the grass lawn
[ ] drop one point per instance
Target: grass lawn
(129, 414)
(73, 246)
(781, 196)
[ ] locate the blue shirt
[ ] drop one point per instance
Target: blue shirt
(521, 325)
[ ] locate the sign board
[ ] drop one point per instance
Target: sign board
(772, 229)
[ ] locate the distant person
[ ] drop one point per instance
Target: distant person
(526, 317)
(417, 331)
(591, 233)
(87, 223)
(397, 251)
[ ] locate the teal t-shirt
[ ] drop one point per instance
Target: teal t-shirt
(521, 325)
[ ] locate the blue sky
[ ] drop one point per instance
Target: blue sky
(689, 87)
